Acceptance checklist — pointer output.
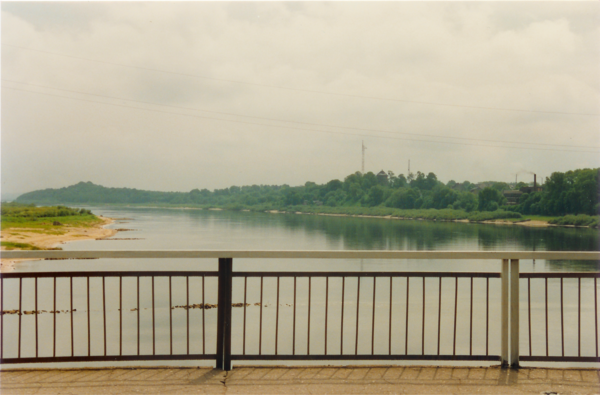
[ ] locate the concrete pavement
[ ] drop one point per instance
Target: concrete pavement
(302, 380)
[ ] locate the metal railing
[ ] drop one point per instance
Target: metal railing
(393, 333)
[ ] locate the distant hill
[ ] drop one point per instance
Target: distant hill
(89, 193)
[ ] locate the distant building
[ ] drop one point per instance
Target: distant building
(512, 196)
(531, 189)
(382, 177)
(534, 188)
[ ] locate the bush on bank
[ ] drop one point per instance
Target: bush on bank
(576, 220)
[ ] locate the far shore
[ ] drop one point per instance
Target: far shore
(45, 241)
(524, 222)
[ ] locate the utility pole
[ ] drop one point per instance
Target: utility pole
(363, 157)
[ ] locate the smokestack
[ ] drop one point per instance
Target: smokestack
(534, 181)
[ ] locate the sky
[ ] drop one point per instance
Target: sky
(175, 96)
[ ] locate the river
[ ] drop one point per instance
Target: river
(190, 229)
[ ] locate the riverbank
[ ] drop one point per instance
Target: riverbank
(444, 215)
(521, 222)
(35, 238)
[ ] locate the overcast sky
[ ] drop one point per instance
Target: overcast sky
(177, 96)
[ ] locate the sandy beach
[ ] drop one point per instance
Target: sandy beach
(46, 241)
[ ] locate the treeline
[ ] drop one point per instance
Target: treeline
(574, 192)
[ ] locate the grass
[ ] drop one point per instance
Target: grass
(545, 218)
(9, 245)
(46, 220)
(46, 223)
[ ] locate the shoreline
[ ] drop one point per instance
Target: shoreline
(534, 223)
(50, 241)
(529, 223)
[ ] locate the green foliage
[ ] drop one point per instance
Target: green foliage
(577, 220)
(574, 192)
(16, 210)
(17, 215)
(490, 199)
(17, 246)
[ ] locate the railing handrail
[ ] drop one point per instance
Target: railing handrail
(293, 254)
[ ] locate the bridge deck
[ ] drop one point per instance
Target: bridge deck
(291, 380)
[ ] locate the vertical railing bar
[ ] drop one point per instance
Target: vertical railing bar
(244, 330)
(546, 301)
(562, 325)
(487, 315)
(203, 318)
(36, 316)
(260, 322)
(309, 300)
(120, 315)
(406, 329)
(220, 313)
(138, 315)
(439, 316)
(223, 357)
(514, 313)
(423, 323)
(529, 311)
(54, 322)
(20, 314)
(390, 321)
(2, 317)
(71, 299)
(224, 323)
(357, 314)
(342, 318)
(326, 310)
(88, 317)
(309, 305)
(471, 322)
(187, 314)
(104, 311)
(579, 316)
(504, 304)
(596, 312)
(170, 316)
(373, 319)
(455, 310)
(153, 321)
(277, 318)
(294, 322)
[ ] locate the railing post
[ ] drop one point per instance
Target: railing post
(514, 313)
(504, 314)
(224, 314)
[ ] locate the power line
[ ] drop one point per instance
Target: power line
(304, 90)
(297, 128)
(304, 123)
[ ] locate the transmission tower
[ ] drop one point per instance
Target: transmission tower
(363, 157)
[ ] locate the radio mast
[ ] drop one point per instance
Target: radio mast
(363, 157)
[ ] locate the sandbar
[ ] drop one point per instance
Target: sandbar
(47, 241)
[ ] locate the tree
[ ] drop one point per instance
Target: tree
(430, 181)
(375, 196)
(490, 199)
(403, 198)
